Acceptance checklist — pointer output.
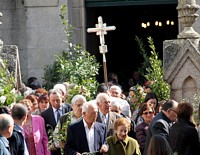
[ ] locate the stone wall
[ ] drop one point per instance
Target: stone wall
(196, 25)
(35, 27)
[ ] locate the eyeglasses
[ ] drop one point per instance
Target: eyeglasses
(146, 113)
(79, 105)
(115, 111)
(174, 110)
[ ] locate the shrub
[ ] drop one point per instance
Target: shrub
(75, 65)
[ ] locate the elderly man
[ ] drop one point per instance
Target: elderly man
(6, 130)
(86, 135)
(116, 92)
(162, 122)
(105, 116)
(70, 117)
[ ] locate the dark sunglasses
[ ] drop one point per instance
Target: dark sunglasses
(115, 111)
(146, 113)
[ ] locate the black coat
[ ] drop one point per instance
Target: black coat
(16, 143)
(77, 140)
(184, 138)
(161, 125)
(50, 121)
(48, 115)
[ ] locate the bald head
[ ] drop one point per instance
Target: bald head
(6, 125)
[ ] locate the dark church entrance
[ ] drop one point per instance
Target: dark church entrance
(123, 55)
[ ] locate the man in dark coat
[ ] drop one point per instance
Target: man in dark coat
(52, 114)
(17, 141)
(86, 135)
(162, 122)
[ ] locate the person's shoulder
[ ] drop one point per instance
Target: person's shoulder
(114, 114)
(110, 138)
(46, 111)
(37, 116)
(132, 140)
(76, 123)
(98, 124)
(141, 126)
(68, 105)
(68, 114)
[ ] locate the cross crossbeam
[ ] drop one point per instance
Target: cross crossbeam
(101, 30)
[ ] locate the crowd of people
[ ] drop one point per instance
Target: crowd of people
(111, 124)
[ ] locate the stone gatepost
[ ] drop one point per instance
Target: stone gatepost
(181, 57)
(11, 55)
(1, 42)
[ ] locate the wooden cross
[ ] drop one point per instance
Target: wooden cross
(101, 30)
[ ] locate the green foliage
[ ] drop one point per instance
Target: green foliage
(75, 66)
(142, 50)
(7, 86)
(155, 73)
(60, 136)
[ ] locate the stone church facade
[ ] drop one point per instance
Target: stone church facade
(35, 27)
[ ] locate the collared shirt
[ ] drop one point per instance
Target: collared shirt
(90, 136)
(105, 117)
(20, 129)
(55, 111)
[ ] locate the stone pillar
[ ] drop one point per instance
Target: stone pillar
(1, 42)
(187, 16)
(181, 57)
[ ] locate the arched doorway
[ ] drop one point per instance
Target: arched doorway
(123, 56)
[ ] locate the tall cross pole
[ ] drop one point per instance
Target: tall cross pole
(101, 30)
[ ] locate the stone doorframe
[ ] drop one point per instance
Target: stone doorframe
(77, 18)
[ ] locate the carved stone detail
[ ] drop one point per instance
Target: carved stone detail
(187, 15)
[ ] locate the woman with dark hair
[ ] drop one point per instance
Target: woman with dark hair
(151, 98)
(43, 104)
(158, 145)
(183, 134)
(147, 113)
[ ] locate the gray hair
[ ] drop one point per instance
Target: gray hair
(55, 92)
(78, 97)
(116, 87)
(115, 103)
(5, 121)
(18, 111)
(99, 97)
(86, 106)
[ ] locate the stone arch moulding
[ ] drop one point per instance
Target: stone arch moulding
(189, 89)
(187, 50)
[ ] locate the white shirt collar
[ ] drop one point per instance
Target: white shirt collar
(85, 124)
(55, 110)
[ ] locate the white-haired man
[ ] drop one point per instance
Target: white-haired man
(70, 117)
(105, 116)
(116, 92)
(86, 135)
